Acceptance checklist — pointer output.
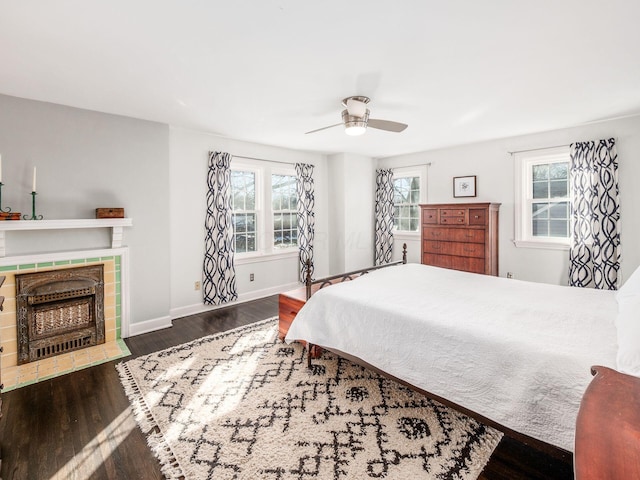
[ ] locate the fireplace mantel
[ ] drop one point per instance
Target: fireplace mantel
(116, 225)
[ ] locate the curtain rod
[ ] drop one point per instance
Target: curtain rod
(540, 148)
(263, 159)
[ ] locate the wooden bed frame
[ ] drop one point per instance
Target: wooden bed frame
(315, 350)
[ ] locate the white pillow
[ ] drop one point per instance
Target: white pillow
(628, 325)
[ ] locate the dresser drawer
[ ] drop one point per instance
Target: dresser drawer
(453, 234)
(444, 220)
(453, 212)
(466, 264)
(453, 248)
(477, 216)
(429, 215)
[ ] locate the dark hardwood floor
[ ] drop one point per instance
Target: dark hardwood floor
(80, 426)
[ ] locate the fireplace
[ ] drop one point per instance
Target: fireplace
(59, 311)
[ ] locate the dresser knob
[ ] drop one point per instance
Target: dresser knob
(460, 220)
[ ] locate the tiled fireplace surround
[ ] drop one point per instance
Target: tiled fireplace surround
(115, 261)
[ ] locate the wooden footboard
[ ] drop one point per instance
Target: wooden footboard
(608, 427)
(314, 285)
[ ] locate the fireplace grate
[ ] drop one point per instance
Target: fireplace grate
(62, 347)
(54, 297)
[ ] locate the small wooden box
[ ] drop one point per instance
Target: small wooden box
(109, 212)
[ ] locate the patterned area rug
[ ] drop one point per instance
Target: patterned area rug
(243, 405)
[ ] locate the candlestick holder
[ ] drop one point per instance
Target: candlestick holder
(3, 210)
(33, 209)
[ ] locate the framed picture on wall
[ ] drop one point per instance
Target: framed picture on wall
(464, 186)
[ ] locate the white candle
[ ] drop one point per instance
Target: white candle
(34, 180)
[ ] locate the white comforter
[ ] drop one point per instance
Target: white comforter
(516, 352)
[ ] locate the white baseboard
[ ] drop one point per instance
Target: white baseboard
(246, 297)
(151, 325)
(160, 323)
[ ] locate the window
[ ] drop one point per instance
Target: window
(409, 190)
(406, 197)
(243, 204)
(284, 201)
(264, 203)
(543, 199)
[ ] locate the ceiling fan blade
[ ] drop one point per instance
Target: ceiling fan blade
(323, 128)
(387, 125)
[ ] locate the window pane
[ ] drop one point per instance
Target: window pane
(276, 200)
(239, 223)
(559, 210)
(540, 211)
(558, 228)
(540, 172)
(251, 242)
(540, 228)
(286, 221)
(241, 243)
(558, 170)
(251, 193)
(558, 188)
(413, 224)
(277, 221)
(251, 222)
(404, 224)
(415, 196)
(540, 190)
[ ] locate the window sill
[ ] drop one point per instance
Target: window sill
(265, 257)
(543, 245)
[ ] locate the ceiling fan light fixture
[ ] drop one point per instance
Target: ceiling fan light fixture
(356, 106)
(355, 128)
(353, 125)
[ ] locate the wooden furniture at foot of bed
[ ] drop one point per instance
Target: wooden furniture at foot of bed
(608, 427)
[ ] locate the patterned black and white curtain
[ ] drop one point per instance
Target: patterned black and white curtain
(384, 216)
(219, 273)
(594, 256)
(306, 217)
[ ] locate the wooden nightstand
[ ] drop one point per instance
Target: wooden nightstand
(289, 304)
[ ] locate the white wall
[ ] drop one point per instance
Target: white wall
(494, 168)
(87, 160)
(352, 238)
(188, 172)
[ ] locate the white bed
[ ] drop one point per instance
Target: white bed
(517, 353)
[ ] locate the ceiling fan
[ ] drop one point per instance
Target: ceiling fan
(355, 118)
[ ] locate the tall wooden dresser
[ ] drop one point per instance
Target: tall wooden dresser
(461, 236)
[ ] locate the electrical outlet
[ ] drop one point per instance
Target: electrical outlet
(196, 286)
(251, 277)
(509, 275)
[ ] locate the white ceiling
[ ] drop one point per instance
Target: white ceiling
(267, 71)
